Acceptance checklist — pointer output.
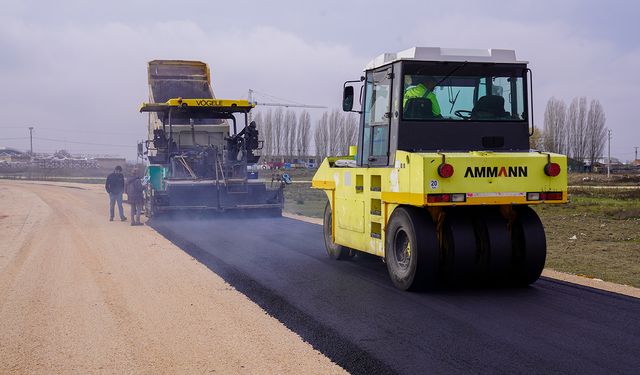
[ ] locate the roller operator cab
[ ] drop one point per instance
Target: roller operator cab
(443, 177)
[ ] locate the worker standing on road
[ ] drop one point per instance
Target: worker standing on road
(135, 195)
(115, 187)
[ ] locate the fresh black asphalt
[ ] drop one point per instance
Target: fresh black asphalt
(350, 311)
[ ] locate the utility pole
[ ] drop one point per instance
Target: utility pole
(609, 156)
(31, 140)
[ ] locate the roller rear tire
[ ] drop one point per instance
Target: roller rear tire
(334, 250)
(411, 250)
(459, 247)
(529, 246)
(494, 244)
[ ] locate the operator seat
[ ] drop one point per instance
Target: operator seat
(418, 109)
(489, 107)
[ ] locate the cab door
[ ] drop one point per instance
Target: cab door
(377, 117)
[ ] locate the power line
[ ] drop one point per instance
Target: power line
(54, 129)
(89, 131)
(277, 98)
(11, 139)
(84, 143)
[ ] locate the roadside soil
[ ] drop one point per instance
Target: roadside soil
(80, 294)
(595, 235)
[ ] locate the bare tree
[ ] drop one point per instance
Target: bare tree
(290, 125)
(321, 136)
(284, 144)
(334, 133)
(577, 137)
(350, 131)
(536, 141)
(555, 136)
(304, 133)
(257, 118)
(266, 131)
(595, 131)
(336, 128)
(277, 135)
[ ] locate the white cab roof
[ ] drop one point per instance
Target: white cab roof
(446, 54)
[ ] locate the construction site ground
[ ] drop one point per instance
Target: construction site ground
(80, 294)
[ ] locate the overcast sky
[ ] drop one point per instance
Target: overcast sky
(76, 70)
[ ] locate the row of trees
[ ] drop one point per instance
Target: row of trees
(334, 133)
(284, 133)
(577, 131)
(287, 134)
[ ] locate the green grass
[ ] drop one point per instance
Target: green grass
(606, 226)
(300, 199)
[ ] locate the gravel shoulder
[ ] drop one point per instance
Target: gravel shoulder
(80, 294)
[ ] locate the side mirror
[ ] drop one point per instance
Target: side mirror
(347, 99)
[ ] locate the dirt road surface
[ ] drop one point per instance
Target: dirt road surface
(80, 294)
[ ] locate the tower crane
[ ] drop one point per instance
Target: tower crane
(294, 105)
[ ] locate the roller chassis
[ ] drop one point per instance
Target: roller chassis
(480, 238)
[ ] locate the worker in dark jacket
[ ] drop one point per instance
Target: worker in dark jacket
(135, 196)
(115, 187)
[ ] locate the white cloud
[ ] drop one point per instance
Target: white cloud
(565, 64)
(93, 79)
(87, 71)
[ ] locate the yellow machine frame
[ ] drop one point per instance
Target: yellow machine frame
(363, 199)
(221, 105)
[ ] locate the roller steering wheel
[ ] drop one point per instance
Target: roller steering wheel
(463, 114)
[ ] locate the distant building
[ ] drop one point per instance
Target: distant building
(8, 151)
(279, 162)
(9, 154)
(110, 163)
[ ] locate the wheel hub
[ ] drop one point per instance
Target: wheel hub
(403, 250)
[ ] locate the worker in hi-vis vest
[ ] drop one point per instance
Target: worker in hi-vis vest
(423, 88)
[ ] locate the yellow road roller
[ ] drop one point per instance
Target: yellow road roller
(443, 179)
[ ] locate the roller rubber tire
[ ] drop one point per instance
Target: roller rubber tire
(334, 250)
(529, 246)
(494, 243)
(459, 246)
(420, 269)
